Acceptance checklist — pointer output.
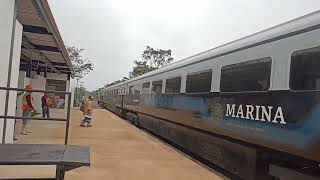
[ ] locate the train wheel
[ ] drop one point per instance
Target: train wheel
(136, 121)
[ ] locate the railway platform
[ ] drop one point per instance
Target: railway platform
(119, 151)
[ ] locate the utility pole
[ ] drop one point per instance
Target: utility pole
(81, 89)
(76, 92)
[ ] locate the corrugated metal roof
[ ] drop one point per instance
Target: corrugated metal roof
(42, 34)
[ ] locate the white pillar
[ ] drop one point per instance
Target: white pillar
(150, 89)
(68, 89)
(163, 90)
(6, 23)
(22, 82)
(72, 89)
(183, 83)
(38, 83)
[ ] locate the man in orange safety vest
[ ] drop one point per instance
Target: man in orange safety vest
(27, 109)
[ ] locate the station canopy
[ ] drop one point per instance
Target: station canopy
(42, 47)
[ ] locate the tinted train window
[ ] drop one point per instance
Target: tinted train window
(246, 76)
(156, 87)
(199, 82)
(122, 90)
(146, 88)
(305, 69)
(137, 88)
(173, 85)
(131, 90)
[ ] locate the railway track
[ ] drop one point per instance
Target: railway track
(201, 162)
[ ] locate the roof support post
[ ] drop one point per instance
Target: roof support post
(9, 73)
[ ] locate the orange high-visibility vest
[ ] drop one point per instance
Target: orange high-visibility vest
(25, 105)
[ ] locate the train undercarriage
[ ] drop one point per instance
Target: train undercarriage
(236, 159)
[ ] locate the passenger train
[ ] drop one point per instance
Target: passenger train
(251, 106)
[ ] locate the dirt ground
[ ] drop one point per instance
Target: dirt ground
(119, 151)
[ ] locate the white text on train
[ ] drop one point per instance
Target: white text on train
(259, 113)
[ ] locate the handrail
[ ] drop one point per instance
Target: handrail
(34, 90)
(34, 118)
(6, 117)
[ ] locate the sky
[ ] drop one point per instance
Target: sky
(114, 33)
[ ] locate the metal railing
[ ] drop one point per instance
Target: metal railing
(6, 117)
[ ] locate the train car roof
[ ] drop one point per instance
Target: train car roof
(293, 27)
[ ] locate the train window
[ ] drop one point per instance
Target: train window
(131, 90)
(199, 82)
(305, 65)
(173, 85)
(123, 91)
(145, 88)
(251, 75)
(156, 87)
(137, 88)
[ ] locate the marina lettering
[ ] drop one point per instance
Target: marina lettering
(268, 114)
(230, 110)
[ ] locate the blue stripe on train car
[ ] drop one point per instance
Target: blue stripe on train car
(300, 134)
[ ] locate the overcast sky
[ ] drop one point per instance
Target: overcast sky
(115, 32)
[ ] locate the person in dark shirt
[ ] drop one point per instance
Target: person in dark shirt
(46, 103)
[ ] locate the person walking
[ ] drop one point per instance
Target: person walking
(56, 102)
(87, 111)
(27, 109)
(46, 104)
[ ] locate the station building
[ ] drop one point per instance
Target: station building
(31, 52)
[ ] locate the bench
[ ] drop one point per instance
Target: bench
(64, 157)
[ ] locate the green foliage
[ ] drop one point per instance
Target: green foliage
(95, 93)
(79, 93)
(151, 59)
(116, 82)
(82, 66)
(140, 68)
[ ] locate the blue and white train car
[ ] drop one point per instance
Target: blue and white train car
(251, 106)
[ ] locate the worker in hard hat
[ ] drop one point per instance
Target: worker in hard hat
(87, 111)
(27, 109)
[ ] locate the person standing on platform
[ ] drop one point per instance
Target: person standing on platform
(56, 102)
(46, 104)
(87, 111)
(27, 109)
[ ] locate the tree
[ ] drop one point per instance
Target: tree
(140, 68)
(151, 59)
(116, 82)
(82, 66)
